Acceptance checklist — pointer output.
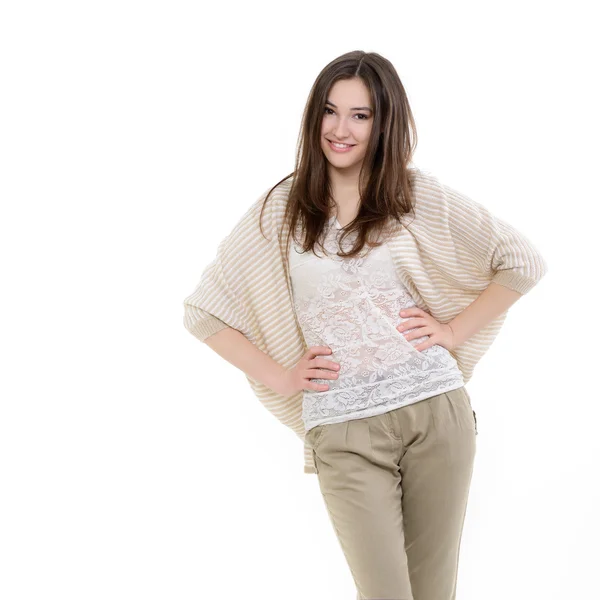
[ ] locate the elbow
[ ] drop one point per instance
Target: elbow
(522, 279)
(200, 323)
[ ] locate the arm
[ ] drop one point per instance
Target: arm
(498, 249)
(513, 264)
(220, 300)
(236, 349)
(491, 303)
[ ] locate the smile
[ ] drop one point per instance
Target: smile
(340, 147)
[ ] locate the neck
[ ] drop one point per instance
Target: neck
(344, 189)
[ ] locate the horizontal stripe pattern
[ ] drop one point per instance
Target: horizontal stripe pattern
(446, 253)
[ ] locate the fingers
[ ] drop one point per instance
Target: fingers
(314, 351)
(329, 371)
(318, 387)
(320, 374)
(417, 333)
(327, 364)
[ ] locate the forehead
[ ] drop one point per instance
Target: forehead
(349, 94)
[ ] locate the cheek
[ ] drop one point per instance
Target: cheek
(363, 148)
(365, 135)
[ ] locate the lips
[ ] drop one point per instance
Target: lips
(340, 150)
(334, 142)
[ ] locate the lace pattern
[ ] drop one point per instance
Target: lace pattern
(352, 305)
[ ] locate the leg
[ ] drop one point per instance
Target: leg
(359, 481)
(436, 467)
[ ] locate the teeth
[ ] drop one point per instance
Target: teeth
(341, 145)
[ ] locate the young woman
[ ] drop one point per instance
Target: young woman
(359, 321)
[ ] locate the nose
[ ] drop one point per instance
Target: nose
(341, 129)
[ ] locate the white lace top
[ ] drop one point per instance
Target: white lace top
(352, 305)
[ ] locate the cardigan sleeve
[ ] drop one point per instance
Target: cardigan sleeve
(502, 251)
(514, 260)
(222, 298)
(200, 323)
(212, 306)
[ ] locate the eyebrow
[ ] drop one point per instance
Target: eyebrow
(355, 108)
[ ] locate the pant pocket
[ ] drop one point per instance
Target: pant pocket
(475, 419)
(314, 455)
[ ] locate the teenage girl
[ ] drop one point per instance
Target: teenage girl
(390, 423)
(384, 405)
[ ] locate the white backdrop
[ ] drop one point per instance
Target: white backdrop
(133, 137)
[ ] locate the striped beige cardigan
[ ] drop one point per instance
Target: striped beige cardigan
(446, 253)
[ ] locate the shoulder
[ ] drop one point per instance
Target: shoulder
(270, 208)
(433, 194)
(276, 203)
(425, 184)
(256, 230)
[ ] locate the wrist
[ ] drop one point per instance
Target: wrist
(454, 335)
(453, 342)
(280, 381)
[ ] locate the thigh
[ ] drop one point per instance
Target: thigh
(358, 476)
(438, 437)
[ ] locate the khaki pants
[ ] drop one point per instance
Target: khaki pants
(396, 487)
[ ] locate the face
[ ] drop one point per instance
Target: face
(347, 119)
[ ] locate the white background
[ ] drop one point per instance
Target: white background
(135, 463)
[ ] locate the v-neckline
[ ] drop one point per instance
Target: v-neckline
(336, 223)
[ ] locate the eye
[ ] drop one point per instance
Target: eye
(364, 117)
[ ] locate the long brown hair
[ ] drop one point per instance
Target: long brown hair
(384, 180)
